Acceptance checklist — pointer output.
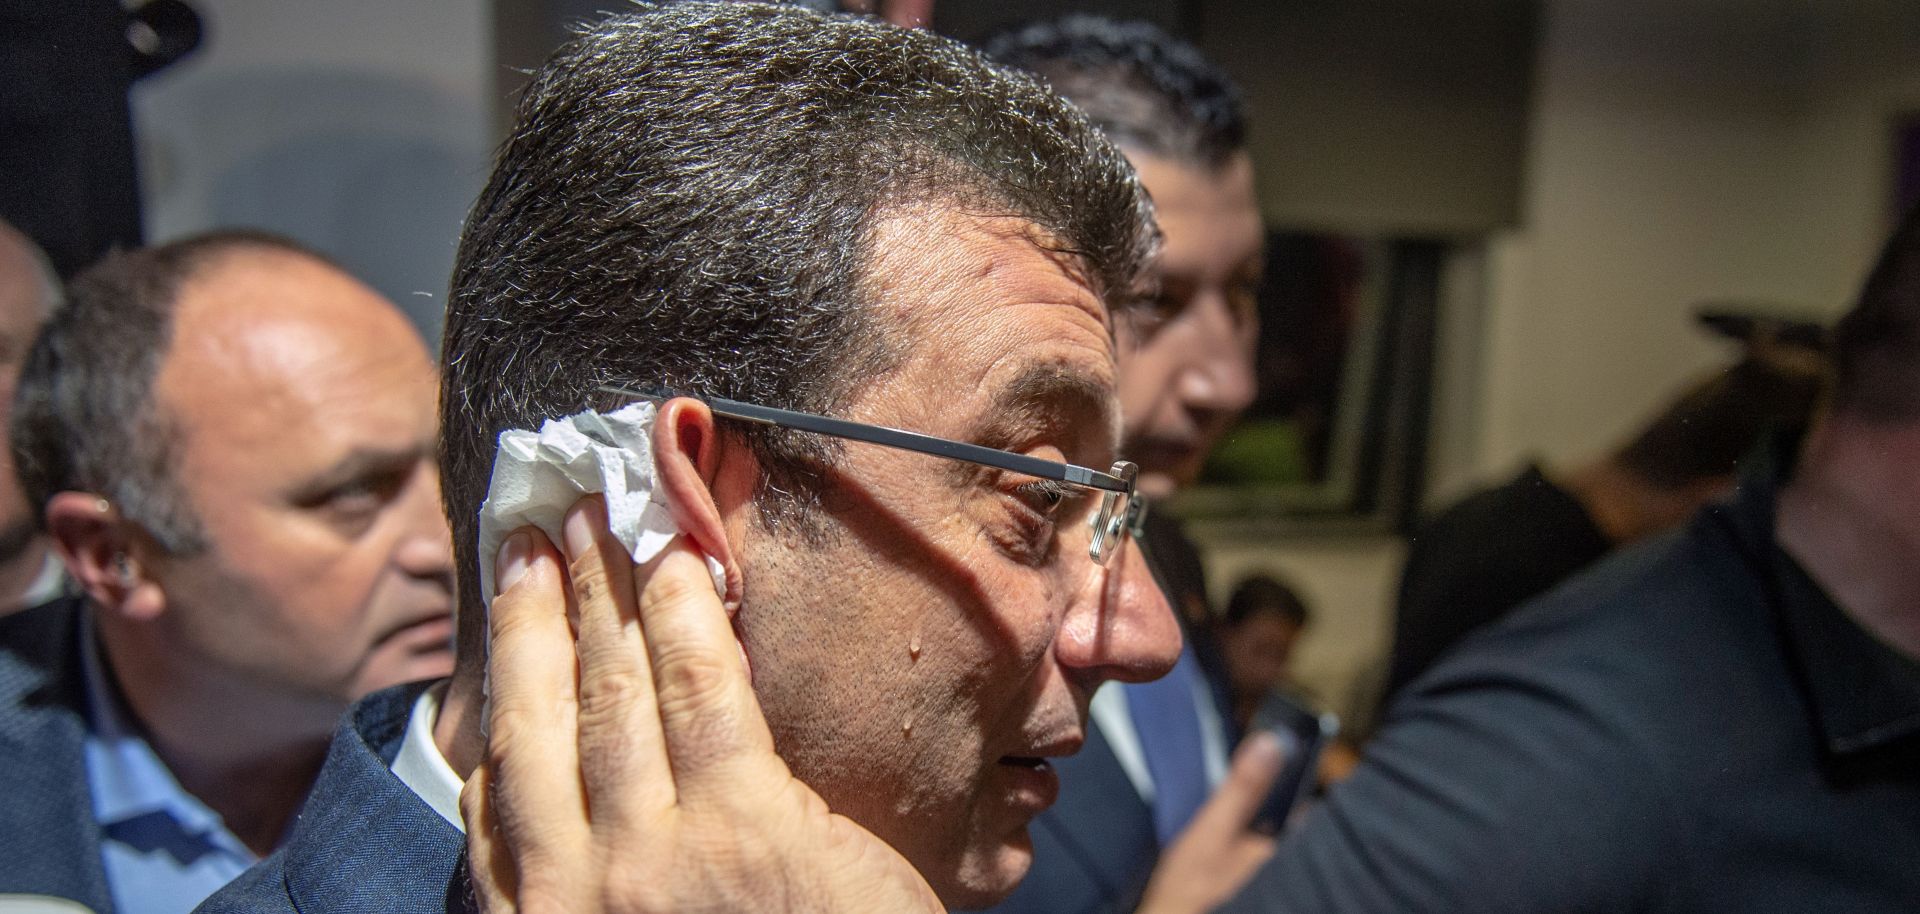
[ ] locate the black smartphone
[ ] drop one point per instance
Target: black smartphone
(1303, 733)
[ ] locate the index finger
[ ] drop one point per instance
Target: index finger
(1255, 767)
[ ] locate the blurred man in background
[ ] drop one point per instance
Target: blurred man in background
(1156, 750)
(230, 443)
(30, 573)
(1262, 624)
(1722, 719)
(1476, 561)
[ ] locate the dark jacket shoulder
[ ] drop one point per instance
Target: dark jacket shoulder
(43, 731)
(364, 842)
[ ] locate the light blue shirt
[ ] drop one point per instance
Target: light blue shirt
(164, 850)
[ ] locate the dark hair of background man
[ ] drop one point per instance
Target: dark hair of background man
(84, 418)
(1877, 344)
(692, 207)
(1145, 90)
(1705, 433)
(1262, 595)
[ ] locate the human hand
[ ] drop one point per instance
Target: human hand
(629, 769)
(1217, 853)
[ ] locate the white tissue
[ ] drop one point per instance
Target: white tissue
(537, 477)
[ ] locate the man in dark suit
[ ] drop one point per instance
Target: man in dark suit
(731, 209)
(229, 441)
(1156, 750)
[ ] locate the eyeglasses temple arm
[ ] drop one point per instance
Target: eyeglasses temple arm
(896, 438)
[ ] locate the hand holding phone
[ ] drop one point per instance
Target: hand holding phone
(1303, 734)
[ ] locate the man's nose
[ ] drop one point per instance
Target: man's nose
(1121, 627)
(426, 545)
(1220, 378)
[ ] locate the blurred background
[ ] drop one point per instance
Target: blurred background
(1492, 222)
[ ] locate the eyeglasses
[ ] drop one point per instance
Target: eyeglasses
(1122, 513)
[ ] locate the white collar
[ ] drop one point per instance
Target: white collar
(421, 767)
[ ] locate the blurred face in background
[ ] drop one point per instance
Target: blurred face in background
(1186, 366)
(1257, 651)
(25, 299)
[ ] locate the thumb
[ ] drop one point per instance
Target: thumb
(1256, 765)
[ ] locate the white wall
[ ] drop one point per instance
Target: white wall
(1683, 151)
(358, 126)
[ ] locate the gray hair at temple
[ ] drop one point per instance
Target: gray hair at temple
(688, 199)
(1146, 89)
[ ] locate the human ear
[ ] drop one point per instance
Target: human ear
(687, 456)
(103, 553)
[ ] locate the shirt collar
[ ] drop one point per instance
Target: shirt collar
(1863, 695)
(421, 767)
(126, 778)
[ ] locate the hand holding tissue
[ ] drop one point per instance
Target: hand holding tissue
(538, 476)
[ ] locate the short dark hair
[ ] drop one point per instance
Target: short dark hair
(1263, 595)
(686, 201)
(1719, 421)
(1877, 344)
(1146, 89)
(84, 419)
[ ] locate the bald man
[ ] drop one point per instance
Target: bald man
(230, 444)
(30, 573)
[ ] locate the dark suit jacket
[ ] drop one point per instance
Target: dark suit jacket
(47, 823)
(1692, 726)
(364, 842)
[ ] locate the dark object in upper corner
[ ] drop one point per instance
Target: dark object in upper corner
(67, 169)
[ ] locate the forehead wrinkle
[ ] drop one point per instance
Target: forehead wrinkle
(923, 238)
(1057, 393)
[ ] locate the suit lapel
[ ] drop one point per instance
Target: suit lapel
(365, 843)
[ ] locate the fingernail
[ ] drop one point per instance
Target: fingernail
(577, 530)
(511, 566)
(1267, 748)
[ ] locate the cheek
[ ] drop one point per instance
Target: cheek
(1144, 370)
(318, 581)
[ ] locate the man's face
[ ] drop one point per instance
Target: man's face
(919, 664)
(304, 406)
(23, 306)
(1257, 651)
(1186, 369)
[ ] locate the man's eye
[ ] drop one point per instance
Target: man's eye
(353, 506)
(1045, 496)
(1147, 315)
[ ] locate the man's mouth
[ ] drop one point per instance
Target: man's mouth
(1035, 762)
(428, 633)
(1032, 783)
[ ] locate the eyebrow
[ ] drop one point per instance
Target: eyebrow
(1051, 399)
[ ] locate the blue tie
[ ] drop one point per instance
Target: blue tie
(1168, 724)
